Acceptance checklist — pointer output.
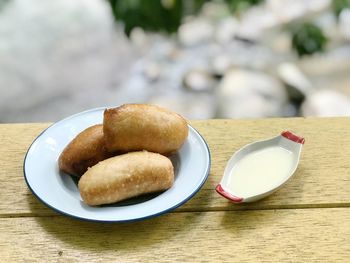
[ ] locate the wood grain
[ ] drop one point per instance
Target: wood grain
(307, 220)
(322, 179)
(312, 235)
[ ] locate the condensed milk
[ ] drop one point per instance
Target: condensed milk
(260, 171)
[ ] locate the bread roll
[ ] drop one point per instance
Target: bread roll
(125, 176)
(84, 151)
(134, 127)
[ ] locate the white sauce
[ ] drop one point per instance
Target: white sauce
(260, 171)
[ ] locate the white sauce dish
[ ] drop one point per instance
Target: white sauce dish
(260, 168)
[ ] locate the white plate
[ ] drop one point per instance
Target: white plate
(59, 191)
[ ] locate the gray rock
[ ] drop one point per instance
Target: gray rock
(220, 64)
(344, 24)
(326, 103)
(140, 39)
(298, 85)
(199, 80)
(290, 110)
(258, 21)
(214, 10)
(250, 94)
(191, 106)
(255, 22)
(152, 71)
(54, 52)
(226, 30)
(289, 10)
(196, 31)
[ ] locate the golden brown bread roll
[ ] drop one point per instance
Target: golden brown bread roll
(84, 151)
(134, 127)
(125, 176)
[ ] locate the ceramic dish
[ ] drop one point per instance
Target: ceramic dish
(59, 190)
(263, 167)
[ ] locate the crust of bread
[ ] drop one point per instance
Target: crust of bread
(136, 127)
(125, 176)
(84, 151)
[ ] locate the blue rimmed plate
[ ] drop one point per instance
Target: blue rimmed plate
(59, 191)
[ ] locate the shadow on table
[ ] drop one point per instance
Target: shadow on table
(263, 213)
(94, 236)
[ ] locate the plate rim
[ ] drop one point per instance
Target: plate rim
(81, 218)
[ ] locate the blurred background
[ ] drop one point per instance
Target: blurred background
(203, 59)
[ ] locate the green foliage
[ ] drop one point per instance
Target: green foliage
(191, 7)
(339, 5)
(163, 15)
(152, 15)
(308, 39)
(239, 6)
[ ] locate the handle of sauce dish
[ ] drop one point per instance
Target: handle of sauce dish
(227, 195)
(293, 137)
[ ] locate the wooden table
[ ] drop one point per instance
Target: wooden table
(307, 220)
